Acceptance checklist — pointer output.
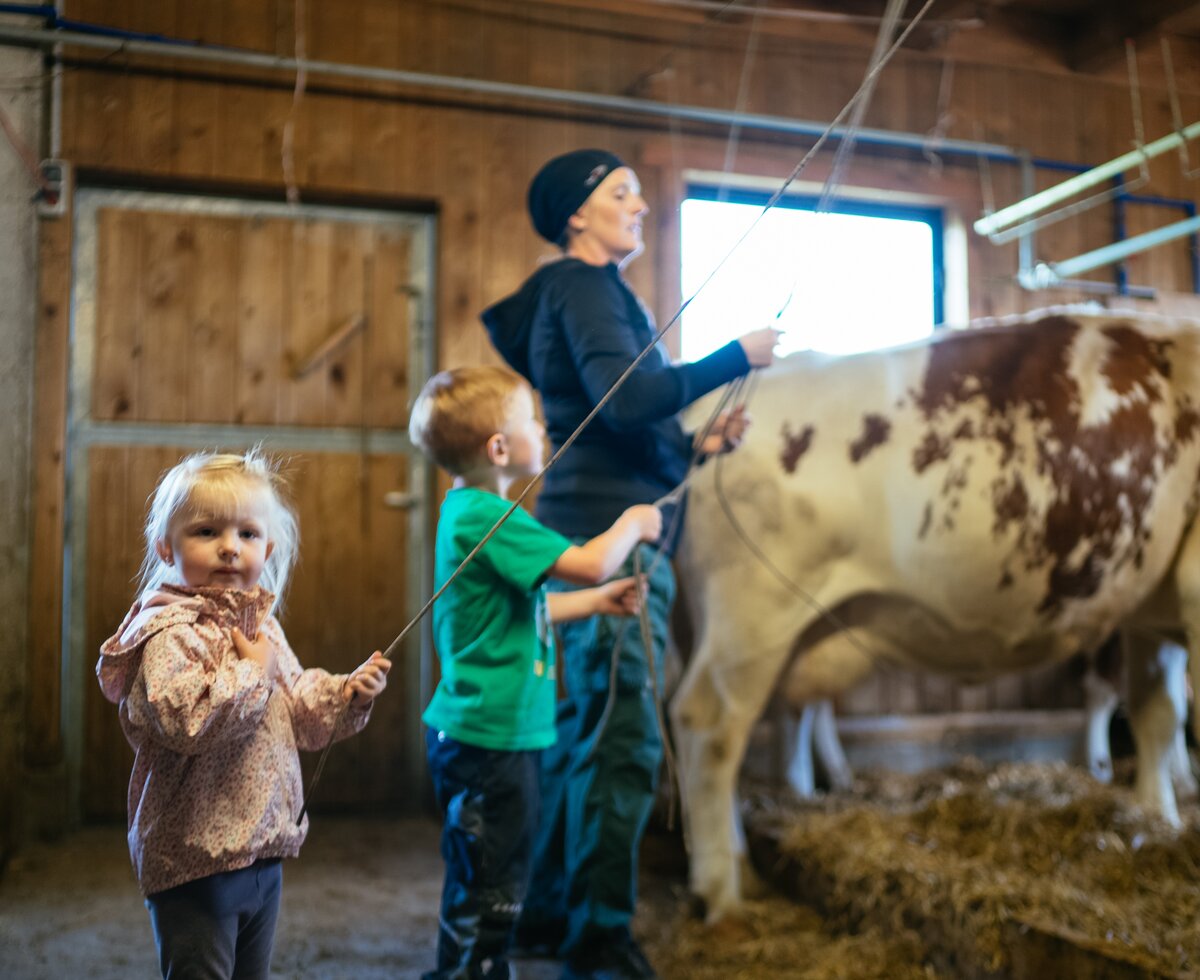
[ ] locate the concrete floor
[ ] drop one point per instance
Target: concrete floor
(359, 904)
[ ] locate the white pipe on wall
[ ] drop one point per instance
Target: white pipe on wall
(992, 223)
(1047, 274)
(646, 107)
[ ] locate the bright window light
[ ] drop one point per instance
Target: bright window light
(859, 278)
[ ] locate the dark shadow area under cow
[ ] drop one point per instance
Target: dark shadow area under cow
(967, 871)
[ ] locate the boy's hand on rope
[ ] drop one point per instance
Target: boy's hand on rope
(368, 679)
(620, 597)
(727, 432)
(261, 651)
(646, 519)
(759, 346)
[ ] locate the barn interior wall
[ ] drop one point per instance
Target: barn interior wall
(143, 121)
(18, 297)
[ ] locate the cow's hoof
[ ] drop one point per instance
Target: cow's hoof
(1185, 786)
(732, 928)
(712, 912)
(753, 885)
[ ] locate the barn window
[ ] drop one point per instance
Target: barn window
(862, 276)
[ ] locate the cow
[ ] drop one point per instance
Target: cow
(977, 503)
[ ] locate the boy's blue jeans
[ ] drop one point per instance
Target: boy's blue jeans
(489, 800)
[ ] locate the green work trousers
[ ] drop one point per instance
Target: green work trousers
(600, 779)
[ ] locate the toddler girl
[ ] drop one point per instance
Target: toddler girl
(215, 705)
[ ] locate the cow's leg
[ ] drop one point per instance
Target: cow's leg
(1157, 706)
(829, 747)
(1187, 593)
(712, 714)
(834, 664)
(800, 773)
(1100, 686)
(1179, 762)
(1100, 699)
(711, 735)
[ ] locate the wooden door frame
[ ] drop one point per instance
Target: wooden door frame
(83, 433)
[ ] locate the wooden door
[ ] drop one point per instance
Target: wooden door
(220, 324)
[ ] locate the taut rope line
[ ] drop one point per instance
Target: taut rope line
(624, 376)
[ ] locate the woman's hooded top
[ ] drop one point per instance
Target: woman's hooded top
(571, 330)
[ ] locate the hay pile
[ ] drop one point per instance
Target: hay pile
(969, 859)
(775, 937)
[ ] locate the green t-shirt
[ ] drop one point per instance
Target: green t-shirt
(492, 628)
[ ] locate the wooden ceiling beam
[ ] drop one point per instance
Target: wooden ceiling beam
(1096, 39)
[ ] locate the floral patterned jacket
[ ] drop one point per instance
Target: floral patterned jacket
(216, 779)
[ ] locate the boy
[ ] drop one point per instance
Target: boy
(493, 709)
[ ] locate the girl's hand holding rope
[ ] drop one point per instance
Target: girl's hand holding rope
(368, 679)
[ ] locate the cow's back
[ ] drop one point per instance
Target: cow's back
(1006, 494)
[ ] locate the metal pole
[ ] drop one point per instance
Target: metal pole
(619, 103)
(1069, 188)
(1049, 274)
(1120, 232)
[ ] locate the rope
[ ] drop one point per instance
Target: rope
(659, 710)
(845, 150)
(859, 101)
(729, 393)
(312, 783)
(1185, 163)
(645, 352)
(735, 131)
(944, 117)
(24, 154)
(288, 144)
(774, 569)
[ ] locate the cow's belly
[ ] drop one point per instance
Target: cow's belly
(896, 629)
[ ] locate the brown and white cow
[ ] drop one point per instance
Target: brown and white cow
(979, 503)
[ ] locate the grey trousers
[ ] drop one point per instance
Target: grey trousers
(221, 927)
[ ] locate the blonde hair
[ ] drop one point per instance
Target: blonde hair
(459, 410)
(223, 482)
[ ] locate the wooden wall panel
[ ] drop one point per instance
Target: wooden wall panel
(212, 317)
(470, 158)
(264, 305)
(113, 511)
(209, 319)
(341, 606)
(205, 317)
(388, 331)
(163, 362)
(43, 708)
(311, 319)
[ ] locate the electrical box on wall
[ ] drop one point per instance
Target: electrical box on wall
(56, 188)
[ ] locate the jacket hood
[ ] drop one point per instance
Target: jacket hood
(170, 605)
(509, 323)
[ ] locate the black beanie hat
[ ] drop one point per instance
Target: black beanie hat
(562, 185)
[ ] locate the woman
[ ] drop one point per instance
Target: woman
(572, 329)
